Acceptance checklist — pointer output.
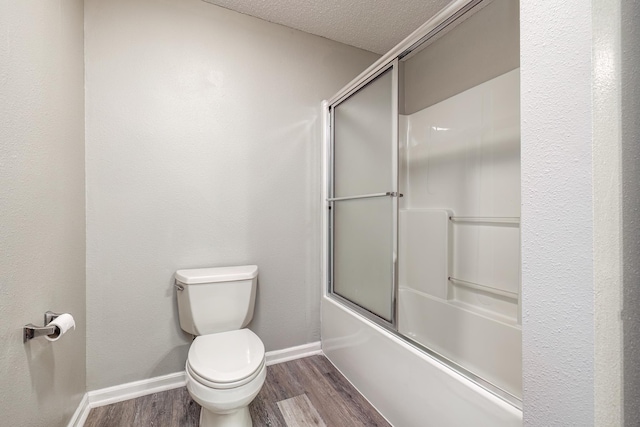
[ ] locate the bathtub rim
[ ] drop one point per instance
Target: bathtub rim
(421, 351)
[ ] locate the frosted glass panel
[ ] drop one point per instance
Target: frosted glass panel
(362, 257)
(363, 140)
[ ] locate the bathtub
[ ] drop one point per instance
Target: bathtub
(408, 387)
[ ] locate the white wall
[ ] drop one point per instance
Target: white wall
(557, 217)
(572, 216)
(203, 139)
(607, 211)
(42, 208)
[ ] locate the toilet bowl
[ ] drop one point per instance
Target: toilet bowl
(225, 372)
(225, 368)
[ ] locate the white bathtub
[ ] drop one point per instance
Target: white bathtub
(484, 346)
(407, 387)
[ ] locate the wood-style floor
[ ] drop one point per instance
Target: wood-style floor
(299, 393)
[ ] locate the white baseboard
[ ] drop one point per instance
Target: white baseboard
(81, 414)
(122, 392)
(292, 353)
(119, 393)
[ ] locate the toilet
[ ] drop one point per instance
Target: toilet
(225, 368)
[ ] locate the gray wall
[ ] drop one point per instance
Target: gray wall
(42, 208)
(630, 34)
(203, 149)
(462, 59)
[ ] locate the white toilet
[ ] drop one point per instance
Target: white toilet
(226, 364)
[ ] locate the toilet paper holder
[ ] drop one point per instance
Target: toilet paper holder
(32, 331)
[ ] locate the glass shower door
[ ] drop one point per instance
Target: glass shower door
(363, 196)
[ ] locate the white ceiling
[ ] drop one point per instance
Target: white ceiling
(374, 25)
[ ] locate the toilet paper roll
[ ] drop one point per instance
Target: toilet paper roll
(64, 322)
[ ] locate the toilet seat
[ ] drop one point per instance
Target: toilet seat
(226, 360)
(222, 386)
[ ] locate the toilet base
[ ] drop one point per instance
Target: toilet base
(239, 418)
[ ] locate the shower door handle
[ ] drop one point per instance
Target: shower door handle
(365, 196)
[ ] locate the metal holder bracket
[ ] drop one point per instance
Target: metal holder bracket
(31, 331)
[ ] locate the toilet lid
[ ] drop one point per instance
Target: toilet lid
(226, 357)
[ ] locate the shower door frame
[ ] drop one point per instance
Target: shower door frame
(430, 29)
(393, 193)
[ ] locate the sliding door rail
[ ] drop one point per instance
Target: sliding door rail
(404, 48)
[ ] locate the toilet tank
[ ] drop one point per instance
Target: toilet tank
(212, 300)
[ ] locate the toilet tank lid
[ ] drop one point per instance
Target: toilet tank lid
(217, 274)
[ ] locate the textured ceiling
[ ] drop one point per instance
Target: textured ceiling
(374, 25)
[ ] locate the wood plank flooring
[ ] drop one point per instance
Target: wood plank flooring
(300, 393)
(299, 411)
(168, 408)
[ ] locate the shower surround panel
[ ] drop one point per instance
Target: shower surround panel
(458, 158)
(459, 235)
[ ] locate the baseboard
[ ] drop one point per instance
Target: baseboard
(292, 353)
(81, 414)
(119, 393)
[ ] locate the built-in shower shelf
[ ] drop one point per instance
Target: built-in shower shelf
(486, 220)
(503, 319)
(489, 300)
(485, 288)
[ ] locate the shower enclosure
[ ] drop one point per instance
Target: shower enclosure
(423, 194)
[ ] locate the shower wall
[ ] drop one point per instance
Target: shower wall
(459, 236)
